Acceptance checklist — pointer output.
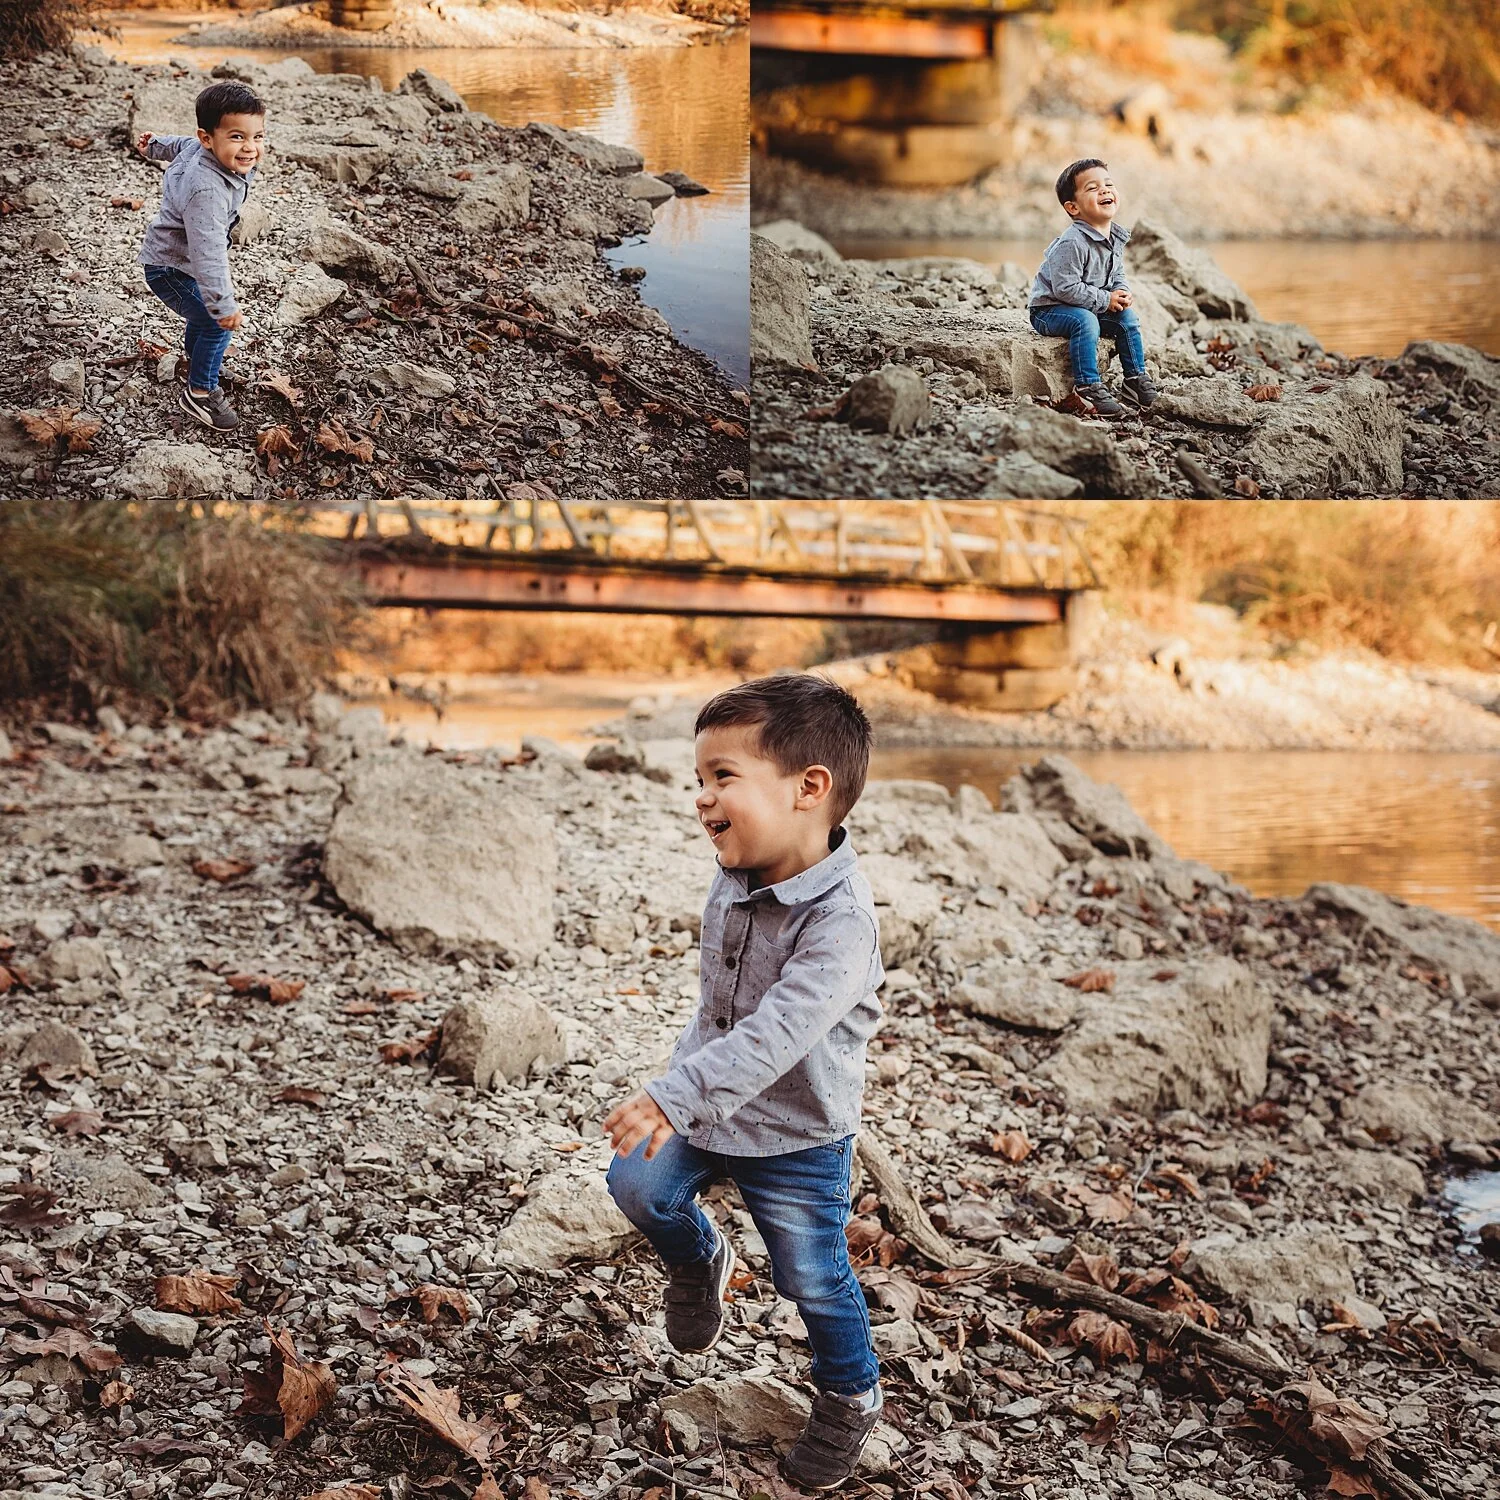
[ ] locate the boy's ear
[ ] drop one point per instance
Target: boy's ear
(814, 787)
(204, 138)
(1071, 208)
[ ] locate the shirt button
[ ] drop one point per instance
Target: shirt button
(730, 962)
(721, 1023)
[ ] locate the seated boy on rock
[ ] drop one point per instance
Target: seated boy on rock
(186, 249)
(765, 1081)
(1080, 290)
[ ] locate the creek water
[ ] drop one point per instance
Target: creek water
(1421, 827)
(1474, 1200)
(683, 108)
(1358, 297)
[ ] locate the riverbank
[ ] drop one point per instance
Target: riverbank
(225, 1068)
(905, 377)
(444, 23)
(429, 310)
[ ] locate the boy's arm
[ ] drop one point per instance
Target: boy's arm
(1066, 271)
(165, 147)
(206, 222)
(825, 978)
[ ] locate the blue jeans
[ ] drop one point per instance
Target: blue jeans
(1082, 328)
(800, 1204)
(205, 340)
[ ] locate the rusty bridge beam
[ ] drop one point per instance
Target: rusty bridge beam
(879, 35)
(523, 583)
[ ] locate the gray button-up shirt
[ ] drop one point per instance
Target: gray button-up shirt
(774, 1059)
(1082, 266)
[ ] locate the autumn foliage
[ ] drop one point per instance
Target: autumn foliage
(28, 27)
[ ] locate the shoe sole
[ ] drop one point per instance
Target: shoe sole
(723, 1321)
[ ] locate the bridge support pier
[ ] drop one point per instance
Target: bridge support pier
(360, 15)
(903, 120)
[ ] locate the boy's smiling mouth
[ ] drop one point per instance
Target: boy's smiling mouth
(716, 827)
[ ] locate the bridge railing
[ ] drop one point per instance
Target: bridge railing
(995, 543)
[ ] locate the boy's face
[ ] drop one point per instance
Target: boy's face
(1094, 199)
(758, 816)
(237, 142)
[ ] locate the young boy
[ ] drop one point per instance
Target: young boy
(764, 1083)
(186, 249)
(1081, 290)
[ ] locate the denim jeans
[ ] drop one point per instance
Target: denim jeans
(1082, 328)
(204, 339)
(800, 1204)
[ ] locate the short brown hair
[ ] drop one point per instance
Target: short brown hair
(1067, 184)
(803, 721)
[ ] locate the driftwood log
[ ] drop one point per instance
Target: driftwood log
(909, 1219)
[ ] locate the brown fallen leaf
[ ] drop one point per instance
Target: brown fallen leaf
(535, 1489)
(290, 1387)
(116, 1393)
(1247, 488)
(264, 987)
(440, 1410)
(609, 406)
(434, 1300)
(77, 1122)
(78, 142)
(1091, 981)
(199, 1292)
(1264, 393)
(296, 1093)
(30, 1206)
(350, 1492)
(71, 1343)
(411, 1049)
(490, 1490)
(274, 380)
(729, 429)
(1180, 1178)
(1342, 1423)
(130, 203)
(1104, 1208)
(359, 1008)
(1169, 1293)
(1011, 1144)
(1098, 1270)
(333, 437)
(1344, 1481)
(60, 424)
(1101, 1333)
(222, 870)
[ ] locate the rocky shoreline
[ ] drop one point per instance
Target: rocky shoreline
(895, 378)
(324, 1026)
(428, 309)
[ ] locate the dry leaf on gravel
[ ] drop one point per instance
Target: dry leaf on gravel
(1169, 1293)
(1102, 1334)
(403, 997)
(411, 1049)
(296, 1094)
(535, 1489)
(71, 1343)
(1103, 1208)
(130, 203)
(30, 1206)
(59, 424)
(199, 1292)
(275, 380)
(222, 870)
(333, 437)
(1091, 981)
(289, 1386)
(1011, 1144)
(349, 1492)
(1264, 393)
(1344, 1481)
(1343, 1424)
(439, 1409)
(488, 1489)
(77, 1122)
(264, 987)
(1101, 1270)
(116, 1393)
(434, 1300)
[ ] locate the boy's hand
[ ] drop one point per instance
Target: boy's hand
(144, 141)
(231, 322)
(1120, 300)
(638, 1119)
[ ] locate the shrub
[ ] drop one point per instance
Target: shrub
(28, 27)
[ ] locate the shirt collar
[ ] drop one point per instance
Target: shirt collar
(234, 179)
(811, 883)
(1116, 232)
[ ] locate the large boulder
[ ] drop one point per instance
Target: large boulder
(780, 333)
(1450, 945)
(891, 399)
(602, 156)
(494, 200)
(499, 1038)
(1468, 373)
(442, 860)
(1417, 1114)
(567, 1215)
(1211, 403)
(1196, 1039)
(337, 247)
(1071, 447)
(1071, 806)
(1277, 1275)
(1156, 252)
(1314, 443)
(1026, 999)
(798, 241)
(906, 905)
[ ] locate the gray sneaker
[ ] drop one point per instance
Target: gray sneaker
(213, 410)
(1138, 391)
(1099, 399)
(694, 1300)
(828, 1450)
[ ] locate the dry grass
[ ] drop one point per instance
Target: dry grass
(28, 27)
(1412, 580)
(155, 604)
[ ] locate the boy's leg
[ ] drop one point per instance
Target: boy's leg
(167, 283)
(660, 1198)
(1125, 328)
(1081, 329)
(800, 1204)
(206, 341)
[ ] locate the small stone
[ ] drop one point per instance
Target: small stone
(891, 399)
(67, 376)
(420, 380)
(499, 1038)
(309, 290)
(646, 188)
(1128, 944)
(59, 1048)
(169, 1330)
(683, 185)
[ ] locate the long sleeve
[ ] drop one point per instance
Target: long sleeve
(1069, 259)
(826, 977)
(205, 220)
(1119, 284)
(167, 147)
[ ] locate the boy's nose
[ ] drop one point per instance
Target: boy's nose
(704, 800)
